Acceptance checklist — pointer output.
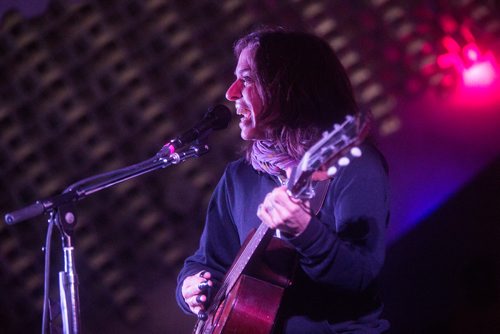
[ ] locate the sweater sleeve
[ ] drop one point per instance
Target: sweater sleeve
(219, 243)
(345, 245)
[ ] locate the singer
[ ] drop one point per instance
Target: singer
(289, 87)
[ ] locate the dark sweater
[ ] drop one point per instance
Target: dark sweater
(341, 251)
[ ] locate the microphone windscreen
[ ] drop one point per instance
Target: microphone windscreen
(220, 116)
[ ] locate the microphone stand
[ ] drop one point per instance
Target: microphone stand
(62, 213)
(65, 219)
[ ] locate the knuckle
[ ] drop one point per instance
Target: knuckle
(193, 301)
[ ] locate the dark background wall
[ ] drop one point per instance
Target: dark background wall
(91, 86)
(443, 276)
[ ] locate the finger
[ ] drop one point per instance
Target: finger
(264, 216)
(271, 211)
(290, 204)
(282, 199)
(201, 299)
(204, 285)
(276, 213)
(190, 287)
(277, 205)
(201, 287)
(271, 201)
(194, 285)
(273, 216)
(202, 315)
(277, 197)
(196, 309)
(197, 301)
(205, 274)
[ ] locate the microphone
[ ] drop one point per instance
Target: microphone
(216, 118)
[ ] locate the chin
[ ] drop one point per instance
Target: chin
(246, 137)
(246, 134)
(251, 133)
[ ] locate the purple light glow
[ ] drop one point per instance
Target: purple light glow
(440, 147)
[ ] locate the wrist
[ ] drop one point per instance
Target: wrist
(302, 227)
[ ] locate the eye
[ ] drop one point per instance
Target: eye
(246, 80)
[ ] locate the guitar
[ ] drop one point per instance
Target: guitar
(249, 297)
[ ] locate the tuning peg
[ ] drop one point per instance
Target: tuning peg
(331, 171)
(344, 161)
(356, 152)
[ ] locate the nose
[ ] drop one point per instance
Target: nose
(234, 91)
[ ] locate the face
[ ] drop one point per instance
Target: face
(244, 93)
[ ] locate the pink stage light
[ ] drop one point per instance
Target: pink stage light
(479, 74)
(476, 69)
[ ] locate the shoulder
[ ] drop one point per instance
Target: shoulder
(240, 168)
(240, 173)
(371, 159)
(369, 166)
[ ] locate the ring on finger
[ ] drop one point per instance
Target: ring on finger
(203, 285)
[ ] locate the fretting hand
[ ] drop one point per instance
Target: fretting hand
(280, 211)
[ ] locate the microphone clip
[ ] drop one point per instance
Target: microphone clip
(169, 156)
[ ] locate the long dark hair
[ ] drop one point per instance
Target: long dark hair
(303, 86)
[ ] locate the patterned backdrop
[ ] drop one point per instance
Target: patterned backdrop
(92, 86)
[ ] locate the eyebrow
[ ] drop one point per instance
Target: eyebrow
(242, 71)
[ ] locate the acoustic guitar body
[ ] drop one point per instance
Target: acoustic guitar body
(252, 304)
(250, 308)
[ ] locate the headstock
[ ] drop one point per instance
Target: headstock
(333, 151)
